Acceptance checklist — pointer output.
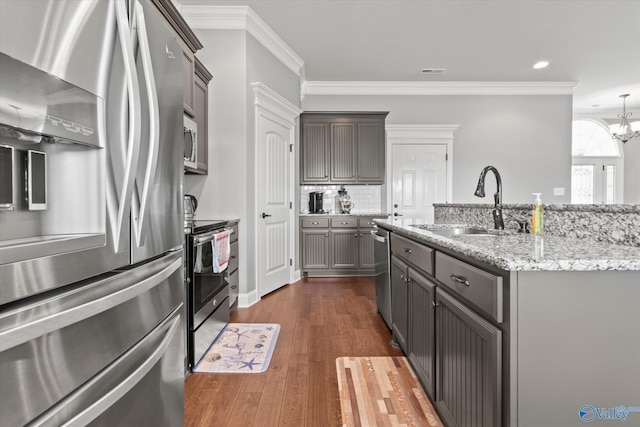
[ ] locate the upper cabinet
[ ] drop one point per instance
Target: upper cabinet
(201, 79)
(342, 148)
(188, 73)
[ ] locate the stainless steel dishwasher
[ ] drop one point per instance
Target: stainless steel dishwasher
(381, 250)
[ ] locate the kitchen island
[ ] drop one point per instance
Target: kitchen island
(510, 329)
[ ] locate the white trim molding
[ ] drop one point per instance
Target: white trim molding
(208, 17)
(420, 131)
(436, 88)
(248, 299)
(419, 135)
(275, 103)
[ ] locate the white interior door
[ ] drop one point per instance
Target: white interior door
(419, 179)
(274, 198)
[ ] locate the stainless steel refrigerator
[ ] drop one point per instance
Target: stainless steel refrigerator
(91, 283)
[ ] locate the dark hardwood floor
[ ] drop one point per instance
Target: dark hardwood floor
(321, 319)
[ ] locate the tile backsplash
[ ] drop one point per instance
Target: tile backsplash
(365, 198)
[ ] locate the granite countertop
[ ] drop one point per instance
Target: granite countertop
(366, 214)
(512, 251)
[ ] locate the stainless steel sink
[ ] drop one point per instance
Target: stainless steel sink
(459, 231)
(453, 230)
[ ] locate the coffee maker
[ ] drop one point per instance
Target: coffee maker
(315, 202)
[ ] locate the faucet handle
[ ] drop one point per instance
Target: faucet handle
(523, 224)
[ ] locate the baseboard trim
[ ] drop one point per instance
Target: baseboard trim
(248, 299)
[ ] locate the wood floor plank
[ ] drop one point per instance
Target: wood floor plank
(320, 320)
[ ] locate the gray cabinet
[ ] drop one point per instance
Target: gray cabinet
(201, 79)
(337, 246)
(342, 148)
(422, 292)
(343, 152)
(315, 248)
(371, 154)
(468, 366)
(344, 245)
(399, 302)
(315, 152)
(188, 73)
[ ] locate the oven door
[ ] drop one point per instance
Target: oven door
(206, 285)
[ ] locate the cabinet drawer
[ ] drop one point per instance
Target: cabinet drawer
(479, 287)
(366, 222)
(234, 235)
(233, 257)
(344, 222)
(315, 222)
(417, 254)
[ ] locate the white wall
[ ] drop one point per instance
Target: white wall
(632, 171)
(236, 59)
(527, 138)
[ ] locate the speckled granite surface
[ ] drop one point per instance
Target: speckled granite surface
(601, 223)
(365, 214)
(509, 250)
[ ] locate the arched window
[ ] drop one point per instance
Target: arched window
(596, 171)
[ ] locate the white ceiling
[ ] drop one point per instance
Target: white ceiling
(592, 42)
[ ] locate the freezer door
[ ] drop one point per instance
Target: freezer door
(51, 346)
(157, 207)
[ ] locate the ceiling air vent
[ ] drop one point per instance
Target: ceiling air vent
(432, 71)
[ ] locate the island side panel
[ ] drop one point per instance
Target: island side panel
(578, 344)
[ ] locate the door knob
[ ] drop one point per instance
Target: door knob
(264, 215)
(396, 214)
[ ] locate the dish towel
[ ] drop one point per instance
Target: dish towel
(221, 245)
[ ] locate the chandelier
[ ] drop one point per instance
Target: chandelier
(625, 130)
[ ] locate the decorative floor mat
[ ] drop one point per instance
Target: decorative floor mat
(382, 391)
(241, 348)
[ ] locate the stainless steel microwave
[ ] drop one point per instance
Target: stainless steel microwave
(190, 144)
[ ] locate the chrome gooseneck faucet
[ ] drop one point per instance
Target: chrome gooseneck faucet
(497, 208)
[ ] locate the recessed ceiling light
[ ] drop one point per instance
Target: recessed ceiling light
(541, 64)
(595, 105)
(432, 70)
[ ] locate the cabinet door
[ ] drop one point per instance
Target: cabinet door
(468, 366)
(201, 112)
(343, 152)
(399, 304)
(315, 249)
(315, 152)
(367, 259)
(371, 152)
(344, 248)
(422, 294)
(187, 79)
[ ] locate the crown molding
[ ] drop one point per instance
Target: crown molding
(436, 88)
(420, 131)
(242, 18)
(271, 101)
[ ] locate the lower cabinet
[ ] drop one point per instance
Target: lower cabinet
(315, 248)
(468, 365)
(455, 352)
(344, 248)
(422, 293)
(337, 246)
(399, 299)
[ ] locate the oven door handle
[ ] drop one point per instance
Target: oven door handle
(201, 239)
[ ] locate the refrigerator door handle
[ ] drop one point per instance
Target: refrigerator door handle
(75, 402)
(113, 292)
(140, 206)
(135, 119)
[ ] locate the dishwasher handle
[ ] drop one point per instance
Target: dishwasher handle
(377, 237)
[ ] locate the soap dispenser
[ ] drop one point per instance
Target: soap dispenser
(537, 216)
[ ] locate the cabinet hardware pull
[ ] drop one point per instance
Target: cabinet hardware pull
(355, 235)
(232, 257)
(315, 223)
(344, 223)
(459, 279)
(233, 287)
(326, 235)
(360, 234)
(407, 250)
(402, 277)
(435, 305)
